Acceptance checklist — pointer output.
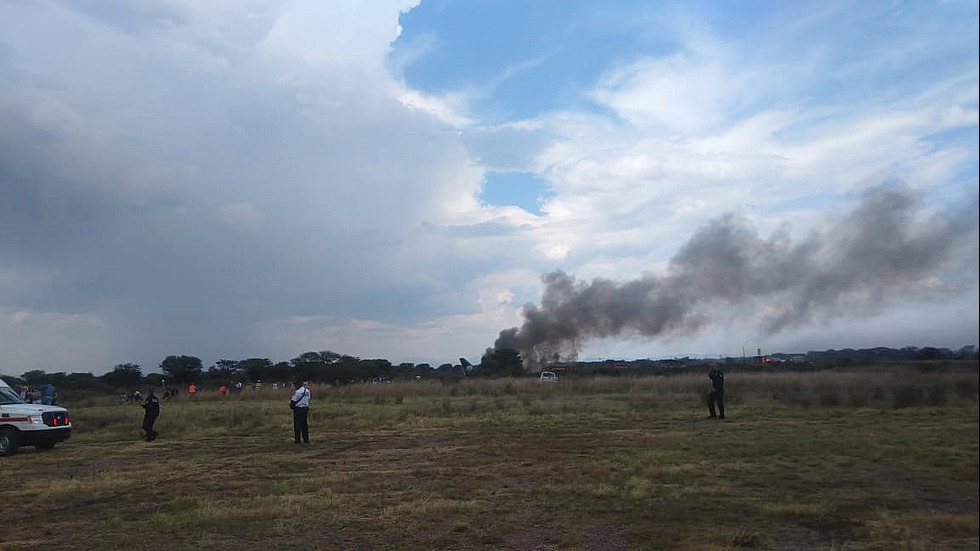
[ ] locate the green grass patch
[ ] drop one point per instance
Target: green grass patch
(804, 461)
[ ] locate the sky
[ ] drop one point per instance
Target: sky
(420, 180)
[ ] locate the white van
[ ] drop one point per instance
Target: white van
(25, 424)
(548, 376)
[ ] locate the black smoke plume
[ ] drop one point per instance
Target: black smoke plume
(884, 248)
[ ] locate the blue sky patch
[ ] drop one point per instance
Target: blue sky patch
(520, 189)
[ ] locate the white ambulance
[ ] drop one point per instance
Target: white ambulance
(26, 424)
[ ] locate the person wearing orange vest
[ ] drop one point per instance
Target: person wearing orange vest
(191, 389)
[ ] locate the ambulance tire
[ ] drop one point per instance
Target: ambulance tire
(8, 442)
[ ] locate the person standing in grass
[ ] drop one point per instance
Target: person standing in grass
(300, 404)
(152, 410)
(48, 394)
(717, 395)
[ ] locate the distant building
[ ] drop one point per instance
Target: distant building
(560, 367)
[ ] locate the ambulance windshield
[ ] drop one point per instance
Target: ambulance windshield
(8, 396)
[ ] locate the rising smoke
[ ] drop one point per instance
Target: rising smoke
(884, 248)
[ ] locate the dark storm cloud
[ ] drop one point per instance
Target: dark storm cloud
(883, 249)
(175, 180)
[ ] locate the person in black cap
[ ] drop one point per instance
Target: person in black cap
(152, 407)
(717, 395)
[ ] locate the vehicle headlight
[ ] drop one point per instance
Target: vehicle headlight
(35, 419)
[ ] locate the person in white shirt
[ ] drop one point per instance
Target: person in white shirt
(300, 403)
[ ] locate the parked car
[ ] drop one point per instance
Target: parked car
(26, 424)
(548, 376)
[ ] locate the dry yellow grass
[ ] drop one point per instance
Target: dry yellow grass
(581, 464)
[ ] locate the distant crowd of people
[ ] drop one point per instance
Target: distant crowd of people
(192, 389)
(45, 394)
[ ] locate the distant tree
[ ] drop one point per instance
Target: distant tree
(346, 369)
(371, 369)
(501, 362)
(127, 375)
(82, 380)
(928, 353)
(307, 365)
(449, 372)
(155, 380)
(404, 370)
(225, 369)
(281, 371)
(58, 379)
(181, 369)
(35, 377)
(422, 370)
(325, 366)
(257, 368)
(324, 357)
(307, 357)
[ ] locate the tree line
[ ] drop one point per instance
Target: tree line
(335, 368)
(318, 367)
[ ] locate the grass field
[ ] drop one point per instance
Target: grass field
(858, 460)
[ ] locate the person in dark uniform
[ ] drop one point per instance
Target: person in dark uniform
(717, 395)
(152, 407)
(300, 404)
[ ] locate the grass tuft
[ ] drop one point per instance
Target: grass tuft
(744, 538)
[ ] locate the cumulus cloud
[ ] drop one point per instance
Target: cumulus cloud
(187, 208)
(261, 178)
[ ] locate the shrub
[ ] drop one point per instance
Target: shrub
(829, 398)
(936, 395)
(965, 389)
(744, 538)
(859, 397)
(904, 396)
